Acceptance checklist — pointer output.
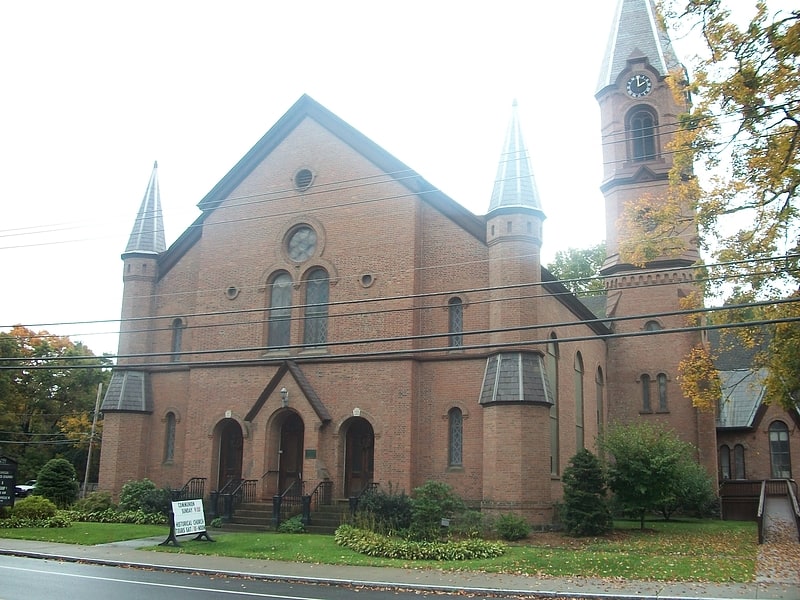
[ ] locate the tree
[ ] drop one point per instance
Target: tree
(585, 509)
(579, 270)
(47, 398)
(742, 136)
(646, 467)
(57, 481)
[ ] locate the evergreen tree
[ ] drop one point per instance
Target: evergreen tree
(585, 509)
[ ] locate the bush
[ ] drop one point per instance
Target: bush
(512, 527)
(94, 502)
(375, 544)
(57, 481)
(293, 525)
(692, 493)
(386, 512)
(34, 507)
(144, 496)
(431, 503)
(585, 510)
(112, 515)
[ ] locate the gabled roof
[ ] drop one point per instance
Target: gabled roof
(742, 395)
(514, 186)
(148, 230)
(309, 392)
(637, 32)
(308, 108)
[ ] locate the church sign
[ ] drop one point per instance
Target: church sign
(8, 480)
(189, 517)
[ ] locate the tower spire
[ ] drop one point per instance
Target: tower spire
(148, 230)
(637, 32)
(514, 186)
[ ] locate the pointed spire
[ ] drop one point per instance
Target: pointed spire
(637, 31)
(514, 185)
(148, 230)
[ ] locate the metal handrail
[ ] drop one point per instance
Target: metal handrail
(322, 495)
(793, 501)
(762, 500)
(194, 489)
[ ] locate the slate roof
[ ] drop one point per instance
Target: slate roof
(636, 32)
(515, 377)
(128, 391)
(742, 394)
(514, 185)
(148, 229)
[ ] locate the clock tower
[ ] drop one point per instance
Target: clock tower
(639, 116)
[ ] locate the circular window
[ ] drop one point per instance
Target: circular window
(232, 292)
(303, 179)
(302, 243)
(367, 280)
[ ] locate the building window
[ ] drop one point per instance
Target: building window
(738, 461)
(169, 441)
(652, 326)
(552, 378)
(455, 316)
(724, 463)
(646, 407)
(317, 295)
(779, 450)
(661, 379)
(579, 441)
(177, 339)
(599, 384)
(642, 132)
(280, 310)
(455, 437)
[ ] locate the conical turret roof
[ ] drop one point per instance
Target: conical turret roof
(514, 185)
(148, 230)
(637, 31)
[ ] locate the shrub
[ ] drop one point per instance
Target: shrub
(585, 510)
(293, 525)
(512, 527)
(375, 544)
(143, 495)
(431, 503)
(386, 512)
(94, 502)
(34, 507)
(692, 492)
(57, 481)
(470, 524)
(111, 515)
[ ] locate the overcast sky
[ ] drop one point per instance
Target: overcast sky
(94, 92)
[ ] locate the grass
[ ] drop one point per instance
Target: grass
(715, 551)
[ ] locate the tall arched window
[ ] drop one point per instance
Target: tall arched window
(599, 386)
(579, 441)
(779, 450)
(455, 318)
(316, 321)
(177, 339)
(738, 462)
(642, 134)
(280, 310)
(455, 437)
(724, 462)
(169, 440)
(646, 406)
(552, 378)
(661, 379)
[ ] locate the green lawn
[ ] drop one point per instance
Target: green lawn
(719, 551)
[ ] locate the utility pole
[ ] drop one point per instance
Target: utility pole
(91, 438)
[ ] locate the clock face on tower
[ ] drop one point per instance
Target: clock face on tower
(639, 85)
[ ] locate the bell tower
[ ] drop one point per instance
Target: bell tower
(639, 118)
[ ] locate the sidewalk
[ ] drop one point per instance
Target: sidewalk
(129, 554)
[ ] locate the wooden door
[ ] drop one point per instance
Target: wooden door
(230, 453)
(291, 452)
(359, 456)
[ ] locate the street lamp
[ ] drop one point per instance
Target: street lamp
(284, 397)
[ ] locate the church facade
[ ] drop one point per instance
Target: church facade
(333, 317)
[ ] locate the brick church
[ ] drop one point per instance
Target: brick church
(333, 317)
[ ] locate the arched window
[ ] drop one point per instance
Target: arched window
(316, 322)
(455, 317)
(724, 462)
(280, 310)
(455, 437)
(661, 379)
(169, 440)
(177, 339)
(552, 378)
(779, 450)
(579, 441)
(642, 134)
(599, 385)
(652, 326)
(646, 406)
(738, 462)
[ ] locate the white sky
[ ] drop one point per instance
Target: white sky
(94, 92)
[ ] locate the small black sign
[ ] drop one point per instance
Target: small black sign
(8, 480)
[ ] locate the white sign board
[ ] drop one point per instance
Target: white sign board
(189, 517)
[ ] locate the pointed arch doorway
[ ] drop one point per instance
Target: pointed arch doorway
(359, 456)
(231, 441)
(290, 469)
